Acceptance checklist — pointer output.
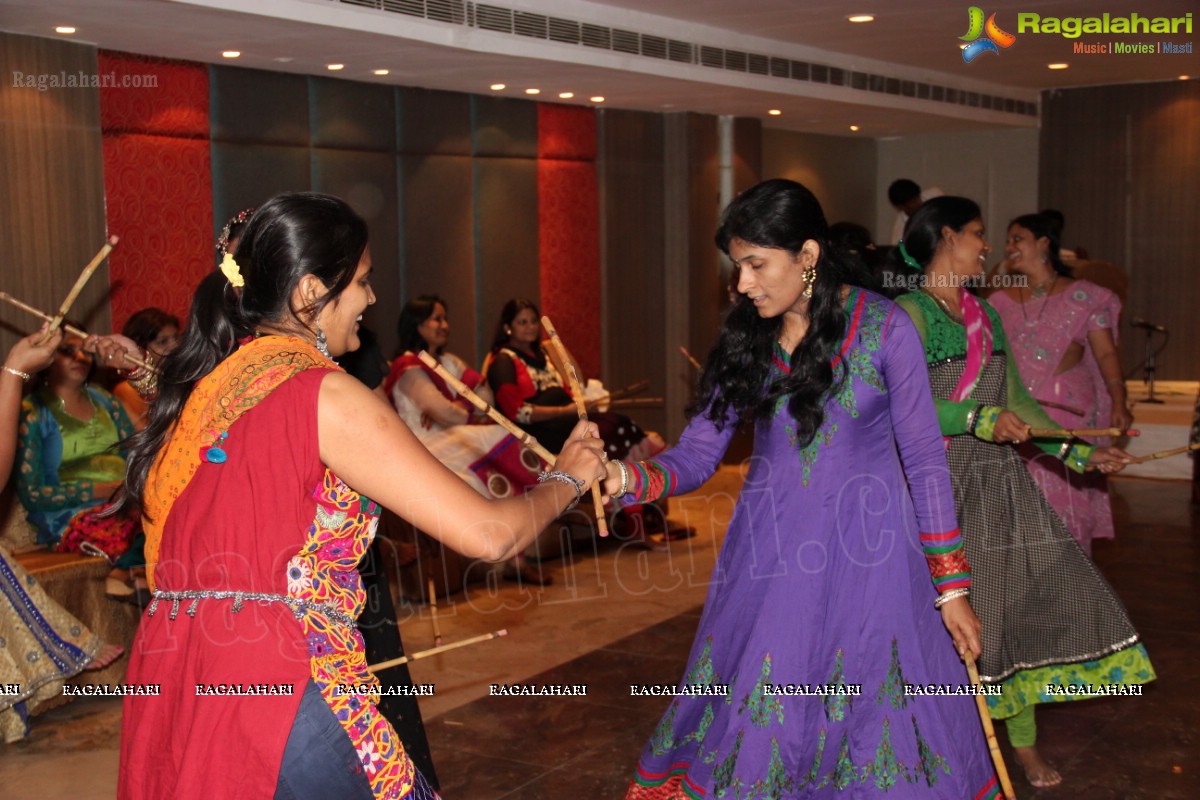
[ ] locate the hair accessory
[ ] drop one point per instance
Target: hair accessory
(240, 218)
(24, 376)
(912, 262)
(562, 477)
(232, 272)
(322, 342)
(953, 594)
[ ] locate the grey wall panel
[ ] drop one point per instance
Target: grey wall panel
(245, 175)
(434, 122)
(250, 105)
(505, 127)
(506, 243)
(367, 181)
(352, 115)
(437, 228)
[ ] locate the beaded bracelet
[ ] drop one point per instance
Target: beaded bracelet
(953, 594)
(562, 477)
(624, 480)
(24, 376)
(973, 418)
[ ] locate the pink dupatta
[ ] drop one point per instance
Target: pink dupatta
(979, 346)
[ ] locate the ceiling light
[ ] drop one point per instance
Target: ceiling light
(65, 29)
(230, 53)
(565, 95)
(861, 18)
(285, 59)
(853, 127)
(379, 72)
(1184, 77)
(496, 87)
(774, 112)
(1057, 66)
(335, 67)
(596, 99)
(533, 91)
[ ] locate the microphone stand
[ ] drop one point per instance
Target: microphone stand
(1150, 367)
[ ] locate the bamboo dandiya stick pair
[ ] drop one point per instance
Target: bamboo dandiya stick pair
(433, 651)
(71, 329)
(1175, 451)
(80, 282)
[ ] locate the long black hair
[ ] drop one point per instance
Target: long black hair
(1042, 224)
(923, 231)
(290, 236)
(778, 214)
(414, 313)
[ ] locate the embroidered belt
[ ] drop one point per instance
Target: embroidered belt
(296, 604)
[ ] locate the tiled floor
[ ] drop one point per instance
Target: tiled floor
(627, 616)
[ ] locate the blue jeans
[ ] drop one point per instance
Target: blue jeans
(320, 761)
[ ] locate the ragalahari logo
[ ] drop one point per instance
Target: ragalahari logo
(994, 40)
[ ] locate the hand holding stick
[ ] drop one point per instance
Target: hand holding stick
(989, 730)
(558, 353)
(71, 329)
(80, 282)
(1068, 433)
(433, 651)
(1176, 451)
(504, 422)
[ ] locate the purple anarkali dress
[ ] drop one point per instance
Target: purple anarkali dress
(820, 610)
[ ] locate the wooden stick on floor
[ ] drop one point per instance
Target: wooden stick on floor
(80, 282)
(558, 352)
(433, 611)
(71, 329)
(504, 422)
(433, 651)
(1175, 451)
(1067, 433)
(989, 731)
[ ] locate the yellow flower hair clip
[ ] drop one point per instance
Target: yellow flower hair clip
(232, 272)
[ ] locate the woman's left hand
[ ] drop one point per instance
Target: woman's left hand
(1108, 459)
(1121, 417)
(959, 618)
(111, 350)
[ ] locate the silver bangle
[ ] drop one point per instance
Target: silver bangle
(562, 477)
(624, 479)
(953, 594)
(24, 376)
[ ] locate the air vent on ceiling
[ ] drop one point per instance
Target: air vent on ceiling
(498, 19)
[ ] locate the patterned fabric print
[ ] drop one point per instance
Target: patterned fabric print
(1126, 668)
(947, 560)
(238, 384)
(761, 705)
(648, 481)
(892, 688)
(672, 786)
(324, 572)
(862, 341)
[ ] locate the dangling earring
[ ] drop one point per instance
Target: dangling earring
(322, 342)
(810, 280)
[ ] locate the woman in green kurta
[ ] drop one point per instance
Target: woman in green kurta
(1053, 630)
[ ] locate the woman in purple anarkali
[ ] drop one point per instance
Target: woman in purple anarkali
(821, 608)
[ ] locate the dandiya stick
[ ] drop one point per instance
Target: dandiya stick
(1079, 412)
(1176, 451)
(989, 731)
(504, 422)
(71, 329)
(635, 401)
(632, 388)
(80, 282)
(433, 610)
(691, 358)
(1067, 433)
(568, 366)
(433, 651)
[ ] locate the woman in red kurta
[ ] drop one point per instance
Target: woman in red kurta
(244, 474)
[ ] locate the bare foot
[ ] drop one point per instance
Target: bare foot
(1039, 773)
(108, 654)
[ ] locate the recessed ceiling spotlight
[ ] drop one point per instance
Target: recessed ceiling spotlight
(379, 72)
(596, 99)
(533, 91)
(853, 127)
(231, 53)
(565, 95)
(1057, 66)
(775, 112)
(64, 29)
(861, 18)
(285, 59)
(498, 87)
(1184, 77)
(335, 67)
